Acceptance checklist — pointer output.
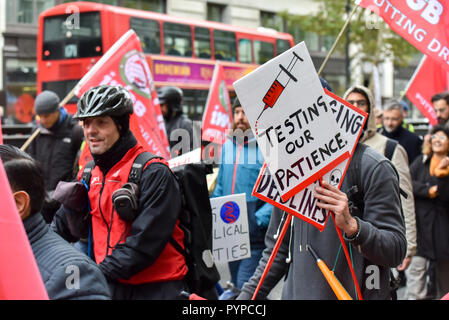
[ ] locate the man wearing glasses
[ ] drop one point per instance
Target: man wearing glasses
(362, 98)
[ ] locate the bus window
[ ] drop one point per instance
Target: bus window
(245, 55)
(263, 51)
(282, 45)
(64, 40)
(202, 43)
(224, 44)
(177, 40)
(149, 34)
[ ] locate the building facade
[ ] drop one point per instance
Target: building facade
(18, 31)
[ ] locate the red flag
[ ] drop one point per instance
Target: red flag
(124, 64)
(217, 116)
(20, 278)
(423, 23)
(430, 78)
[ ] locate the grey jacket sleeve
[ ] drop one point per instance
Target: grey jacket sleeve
(77, 281)
(381, 239)
(279, 266)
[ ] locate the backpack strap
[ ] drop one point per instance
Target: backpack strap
(139, 164)
(136, 170)
(355, 194)
(390, 148)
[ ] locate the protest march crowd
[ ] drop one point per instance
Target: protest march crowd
(337, 198)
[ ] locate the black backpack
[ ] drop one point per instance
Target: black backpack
(195, 221)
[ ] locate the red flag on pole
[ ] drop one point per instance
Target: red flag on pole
(217, 116)
(125, 64)
(429, 78)
(423, 23)
(20, 278)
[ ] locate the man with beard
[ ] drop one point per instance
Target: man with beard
(393, 128)
(440, 103)
(241, 161)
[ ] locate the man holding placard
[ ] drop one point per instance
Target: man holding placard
(367, 209)
(241, 161)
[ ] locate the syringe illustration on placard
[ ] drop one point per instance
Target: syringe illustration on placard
(279, 84)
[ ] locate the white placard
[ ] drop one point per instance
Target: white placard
(296, 131)
(230, 230)
(350, 121)
(193, 156)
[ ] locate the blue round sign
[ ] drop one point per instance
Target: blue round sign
(230, 212)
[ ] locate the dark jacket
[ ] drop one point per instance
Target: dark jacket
(410, 141)
(67, 273)
(56, 149)
(432, 215)
(179, 121)
(379, 246)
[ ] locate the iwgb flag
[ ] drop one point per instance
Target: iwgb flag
(124, 64)
(430, 78)
(20, 278)
(217, 116)
(423, 23)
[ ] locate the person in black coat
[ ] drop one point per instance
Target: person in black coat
(67, 273)
(58, 142)
(56, 146)
(430, 175)
(181, 141)
(393, 118)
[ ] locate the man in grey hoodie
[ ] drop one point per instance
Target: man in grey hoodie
(355, 95)
(374, 235)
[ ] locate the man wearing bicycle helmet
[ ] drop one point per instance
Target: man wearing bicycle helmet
(134, 252)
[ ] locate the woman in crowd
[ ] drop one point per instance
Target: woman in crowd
(430, 174)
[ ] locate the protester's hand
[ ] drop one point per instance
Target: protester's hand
(433, 192)
(405, 263)
(332, 199)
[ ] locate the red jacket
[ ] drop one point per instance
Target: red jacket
(139, 249)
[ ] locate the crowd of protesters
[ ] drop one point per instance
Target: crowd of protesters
(397, 219)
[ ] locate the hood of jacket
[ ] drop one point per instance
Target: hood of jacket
(370, 126)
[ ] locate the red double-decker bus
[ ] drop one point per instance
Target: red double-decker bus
(72, 37)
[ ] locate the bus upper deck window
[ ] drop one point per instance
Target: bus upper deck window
(263, 51)
(177, 39)
(224, 44)
(282, 46)
(149, 34)
(65, 38)
(245, 55)
(202, 43)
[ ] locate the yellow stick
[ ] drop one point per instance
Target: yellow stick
(335, 285)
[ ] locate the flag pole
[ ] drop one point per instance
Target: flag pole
(348, 20)
(30, 139)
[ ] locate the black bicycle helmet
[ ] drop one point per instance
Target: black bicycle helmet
(104, 100)
(171, 96)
